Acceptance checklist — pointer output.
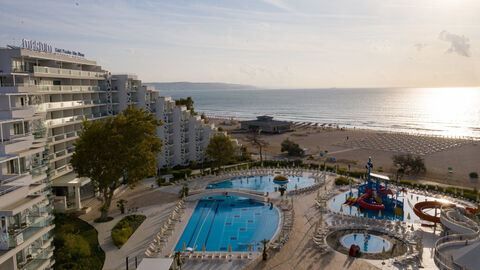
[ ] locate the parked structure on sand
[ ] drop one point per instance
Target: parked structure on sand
(266, 124)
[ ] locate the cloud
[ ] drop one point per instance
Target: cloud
(458, 44)
(420, 46)
(279, 4)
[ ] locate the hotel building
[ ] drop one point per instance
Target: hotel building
(44, 98)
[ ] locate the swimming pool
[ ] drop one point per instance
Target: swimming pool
(264, 183)
(373, 244)
(409, 200)
(220, 222)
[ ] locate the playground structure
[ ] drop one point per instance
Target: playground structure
(374, 196)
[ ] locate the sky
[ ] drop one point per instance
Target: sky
(265, 43)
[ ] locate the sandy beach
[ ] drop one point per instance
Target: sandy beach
(353, 147)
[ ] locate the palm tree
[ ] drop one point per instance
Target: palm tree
(178, 259)
(282, 190)
(121, 205)
(265, 251)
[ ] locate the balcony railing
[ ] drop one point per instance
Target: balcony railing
(64, 120)
(69, 88)
(71, 72)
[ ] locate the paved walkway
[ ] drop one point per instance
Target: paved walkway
(155, 204)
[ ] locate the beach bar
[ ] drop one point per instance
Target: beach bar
(266, 124)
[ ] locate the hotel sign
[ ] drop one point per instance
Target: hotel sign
(47, 48)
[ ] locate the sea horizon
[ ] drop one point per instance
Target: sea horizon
(426, 111)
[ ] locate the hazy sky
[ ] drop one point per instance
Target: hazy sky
(270, 43)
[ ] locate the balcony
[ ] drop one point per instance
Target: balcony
(67, 72)
(67, 104)
(69, 88)
(72, 119)
(20, 235)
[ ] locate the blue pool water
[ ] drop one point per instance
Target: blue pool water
(409, 200)
(264, 183)
(222, 221)
(373, 244)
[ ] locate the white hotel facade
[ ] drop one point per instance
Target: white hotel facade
(43, 99)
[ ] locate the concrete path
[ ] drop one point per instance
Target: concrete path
(156, 204)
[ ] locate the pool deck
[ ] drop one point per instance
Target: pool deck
(299, 252)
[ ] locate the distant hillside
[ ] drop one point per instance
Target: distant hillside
(198, 86)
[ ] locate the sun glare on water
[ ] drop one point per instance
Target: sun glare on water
(454, 106)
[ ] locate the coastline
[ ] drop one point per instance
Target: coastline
(354, 146)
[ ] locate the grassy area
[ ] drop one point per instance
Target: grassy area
(76, 245)
(125, 228)
(341, 181)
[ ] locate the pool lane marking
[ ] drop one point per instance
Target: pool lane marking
(203, 223)
(198, 221)
(211, 224)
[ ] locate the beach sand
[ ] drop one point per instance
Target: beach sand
(439, 153)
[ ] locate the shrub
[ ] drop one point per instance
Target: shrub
(280, 178)
(76, 245)
(341, 181)
(122, 231)
(293, 149)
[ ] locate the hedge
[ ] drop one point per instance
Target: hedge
(76, 244)
(341, 181)
(122, 231)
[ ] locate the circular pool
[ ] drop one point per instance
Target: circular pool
(264, 183)
(367, 242)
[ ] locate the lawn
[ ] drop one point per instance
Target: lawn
(125, 228)
(76, 245)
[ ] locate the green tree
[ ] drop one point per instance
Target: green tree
(178, 260)
(282, 189)
(122, 146)
(293, 149)
(187, 102)
(121, 205)
(408, 164)
(254, 138)
(183, 191)
(220, 150)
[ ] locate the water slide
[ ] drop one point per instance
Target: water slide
(370, 206)
(419, 207)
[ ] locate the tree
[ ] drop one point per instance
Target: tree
(265, 251)
(183, 191)
(121, 205)
(282, 189)
(244, 154)
(253, 137)
(293, 149)
(178, 260)
(220, 150)
(406, 163)
(122, 146)
(187, 102)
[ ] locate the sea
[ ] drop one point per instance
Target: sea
(449, 112)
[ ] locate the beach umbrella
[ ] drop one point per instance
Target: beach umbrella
(341, 209)
(383, 249)
(183, 246)
(203, 249)
(229, 248)
(408, 216)
(379, 213)
(250, 247)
